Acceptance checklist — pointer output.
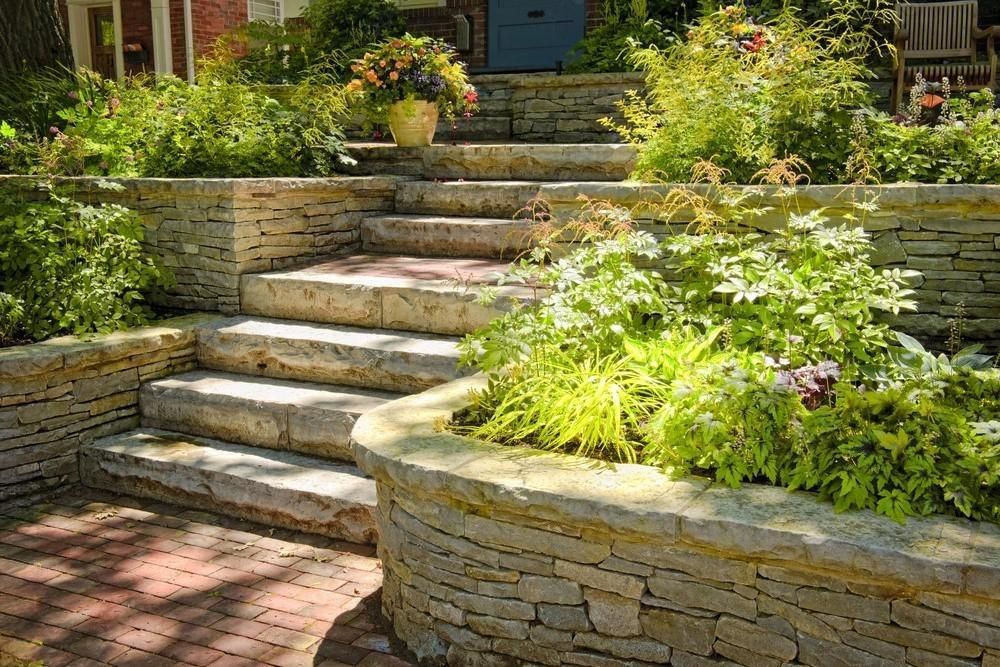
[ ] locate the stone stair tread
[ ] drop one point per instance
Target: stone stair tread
(305, 417)
(397, 270)
(385, 340)
(385, 359)
(269, 390)
(432, 294)
(275, 488)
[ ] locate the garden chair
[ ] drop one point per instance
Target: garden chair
(942, 31)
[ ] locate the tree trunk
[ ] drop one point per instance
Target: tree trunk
(32, 35)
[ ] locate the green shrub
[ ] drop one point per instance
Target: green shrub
(345, 29)
(164, 127)
(271, 53)
(70, 267)
(624, 24)
(806, 293)
(905, 449)
(590, 301)
(30, 100)
(744, 94)
(960, 146)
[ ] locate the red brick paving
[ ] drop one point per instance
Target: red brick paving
(94, 579)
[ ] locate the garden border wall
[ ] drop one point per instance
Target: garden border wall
(210, 231)
(65, 392)
(504, 556)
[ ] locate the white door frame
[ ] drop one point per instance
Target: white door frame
(79, 32)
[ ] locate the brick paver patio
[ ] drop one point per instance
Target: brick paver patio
(91, 579)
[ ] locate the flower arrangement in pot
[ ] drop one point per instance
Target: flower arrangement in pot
(408, 82)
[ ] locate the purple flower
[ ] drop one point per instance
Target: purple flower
(813, 383)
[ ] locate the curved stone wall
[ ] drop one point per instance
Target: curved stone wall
(500, 556)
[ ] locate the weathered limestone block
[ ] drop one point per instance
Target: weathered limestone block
(695, 635)
(613, 615)
(549, 589)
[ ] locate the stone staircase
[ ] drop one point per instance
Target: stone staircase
(261, 430)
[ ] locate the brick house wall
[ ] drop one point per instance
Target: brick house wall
(439, 22)
(209, 18)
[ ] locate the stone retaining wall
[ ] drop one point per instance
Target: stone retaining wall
(950, 233)
(65, 392)
(556, 108)
(496, 556)
(209, 232)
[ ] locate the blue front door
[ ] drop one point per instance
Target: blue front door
(533, 34)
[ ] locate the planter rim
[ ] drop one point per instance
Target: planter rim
(404, 443)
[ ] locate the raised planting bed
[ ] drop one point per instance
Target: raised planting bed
(498, 555)
(65, 392)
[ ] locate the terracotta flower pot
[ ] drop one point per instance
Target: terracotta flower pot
(413, 122)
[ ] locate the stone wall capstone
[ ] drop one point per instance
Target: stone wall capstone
(497, 556)
(209, 232)
(62, 393)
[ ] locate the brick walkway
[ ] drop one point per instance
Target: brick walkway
(92, 579)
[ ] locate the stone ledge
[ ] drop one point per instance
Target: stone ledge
(402, 446)
(76, 351)
(217, 186)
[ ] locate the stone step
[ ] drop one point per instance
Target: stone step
(444, 236)
(308, 418)
(334, 354)
(435, 295)
(471, 199)
(498, 161)
(281, 489)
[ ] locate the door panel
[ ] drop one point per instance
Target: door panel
(533, 34)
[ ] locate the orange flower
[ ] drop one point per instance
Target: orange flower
(393, 75)
(355, 84)
(371, 76)
(381, 63)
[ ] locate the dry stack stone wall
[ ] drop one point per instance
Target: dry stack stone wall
(492, 557)
(209, 232)
(550, 108)
(65, 392)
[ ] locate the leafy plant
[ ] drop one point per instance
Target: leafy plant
(732, 420)
(165, 127)
(271, 53)
(806, 294)
(756, 359)
(624, 24)
(71, 267)
(345, 29)
(589, 405)
(590, 301)
(901, 451)
(11, 317)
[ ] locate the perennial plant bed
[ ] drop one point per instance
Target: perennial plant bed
(621, 561)
(747, 357)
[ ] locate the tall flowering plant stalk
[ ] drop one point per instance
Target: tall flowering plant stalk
(412, 68)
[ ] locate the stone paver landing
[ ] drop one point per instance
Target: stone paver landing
(94, 579)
